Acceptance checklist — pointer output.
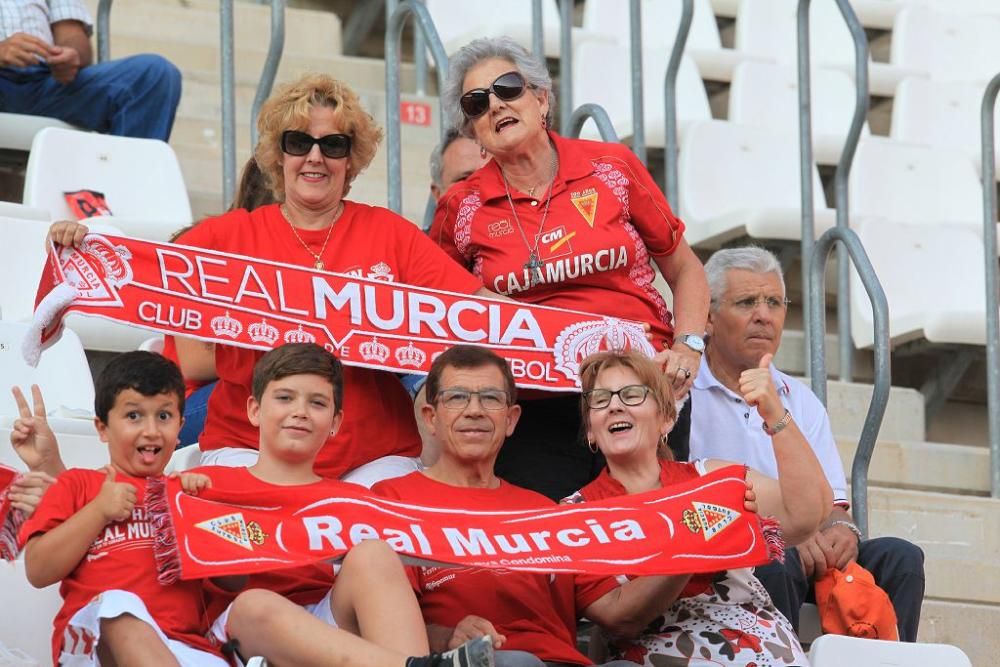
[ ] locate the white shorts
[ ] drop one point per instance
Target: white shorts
(321, 610)
(230, 457)
(84, 630)
(387, 467)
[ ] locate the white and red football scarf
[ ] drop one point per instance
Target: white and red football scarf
(253, 303)
(10, 517)
(697, 526)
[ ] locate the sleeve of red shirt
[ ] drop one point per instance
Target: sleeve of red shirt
(60, 502)
(591, 588)
(651, 215)
(429, 265)
(442, 231)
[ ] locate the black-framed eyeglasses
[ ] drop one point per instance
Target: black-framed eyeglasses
(749, 303)
(458, 399)
(332, 146)
(630, 394)
(507, 87)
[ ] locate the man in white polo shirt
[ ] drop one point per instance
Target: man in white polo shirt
(745, 321)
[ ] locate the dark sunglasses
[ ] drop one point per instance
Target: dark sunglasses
(507, 87)
(294, 142)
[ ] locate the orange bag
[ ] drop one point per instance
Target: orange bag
(851, 603)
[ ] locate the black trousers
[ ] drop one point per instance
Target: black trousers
(896, 565)
(548, 450)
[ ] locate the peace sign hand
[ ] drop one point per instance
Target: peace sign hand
(31, 436)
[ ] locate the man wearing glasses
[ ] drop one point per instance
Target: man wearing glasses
(745, 322)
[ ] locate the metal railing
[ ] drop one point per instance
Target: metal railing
(537, 30)
(638, 121)
(393, 39)
(565, 63)
(600, 117)
(672, 185)
(228, 87)
(104, 31)
(846, 347)
(987, 128)
(850, 242)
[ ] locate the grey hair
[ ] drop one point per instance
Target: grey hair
(437, 155)
(749, 258)
(535, 74)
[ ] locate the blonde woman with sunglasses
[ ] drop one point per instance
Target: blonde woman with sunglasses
(315, 138)
(566, 223)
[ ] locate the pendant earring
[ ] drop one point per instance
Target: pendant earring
(545, 122)
(592, 446)
(482, 152)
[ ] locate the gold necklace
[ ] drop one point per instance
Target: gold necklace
(336, 216)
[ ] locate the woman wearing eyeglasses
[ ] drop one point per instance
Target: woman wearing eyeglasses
(565, 223)
(721, 618)
(315, 138)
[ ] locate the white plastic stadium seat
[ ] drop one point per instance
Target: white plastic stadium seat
(22, 256)
(959, 6)
(140, 178)
(18, 130)
(458, 22)
(768, 28)
(950, 47)
(601, 74)
(768, 96)
(738, 181)
(933, 279)
(62, 372)
(914, 184)
(943, 114)
(838, 650)
(27, 616)
(878, 13)
(184, 458)
(659, 26)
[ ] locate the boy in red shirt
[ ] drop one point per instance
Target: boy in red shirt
(91, 531)
(296, 616)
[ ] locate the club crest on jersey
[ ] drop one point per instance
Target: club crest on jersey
(586, 203)
(709, 518)
(554, 243)
(235, 530)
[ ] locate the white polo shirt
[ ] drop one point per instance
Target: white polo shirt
(724, 427)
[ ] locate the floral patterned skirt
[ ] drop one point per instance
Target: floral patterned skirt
(732, 622)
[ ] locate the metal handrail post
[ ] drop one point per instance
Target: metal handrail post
(600, 117)
(808, 229)
(537, 30)
(565, 62)
(850, 242)
(840, 184)
(228, 104)
(420, 61)
(992, 284)
(638, 122)
(670, 106)
(104, 31)
(275, 49)
(393, 37)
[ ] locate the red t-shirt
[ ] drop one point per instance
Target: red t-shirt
(606, 218)
(121, 558)
(302, 585)
(170, 352)
(671, 472)
(365, 241)
(537, 612)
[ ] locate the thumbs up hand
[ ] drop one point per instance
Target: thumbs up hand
(758, 390)
(116, 499)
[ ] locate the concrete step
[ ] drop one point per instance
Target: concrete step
(847, 403)
(969, 626)
(924, 466)
(960, 536)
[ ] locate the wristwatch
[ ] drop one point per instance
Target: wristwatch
(694, 341)
(778, 425)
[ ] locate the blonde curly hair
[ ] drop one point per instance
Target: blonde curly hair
(288, 109)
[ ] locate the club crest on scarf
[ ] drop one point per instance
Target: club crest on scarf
(233, 528)
(97, 269)
(708, 518)
(578, 341)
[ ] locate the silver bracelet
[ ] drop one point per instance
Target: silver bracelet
(850, 526)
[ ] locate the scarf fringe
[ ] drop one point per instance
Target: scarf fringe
(46, 312)
(168, 562)
(771, 528)
(9, 547)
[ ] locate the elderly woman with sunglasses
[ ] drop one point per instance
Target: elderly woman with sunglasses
(566, 223)
(315, 138)
(722, 618)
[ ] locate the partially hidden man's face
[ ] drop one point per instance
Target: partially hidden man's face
(749, 322)
(472, 433)
(460, 159)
